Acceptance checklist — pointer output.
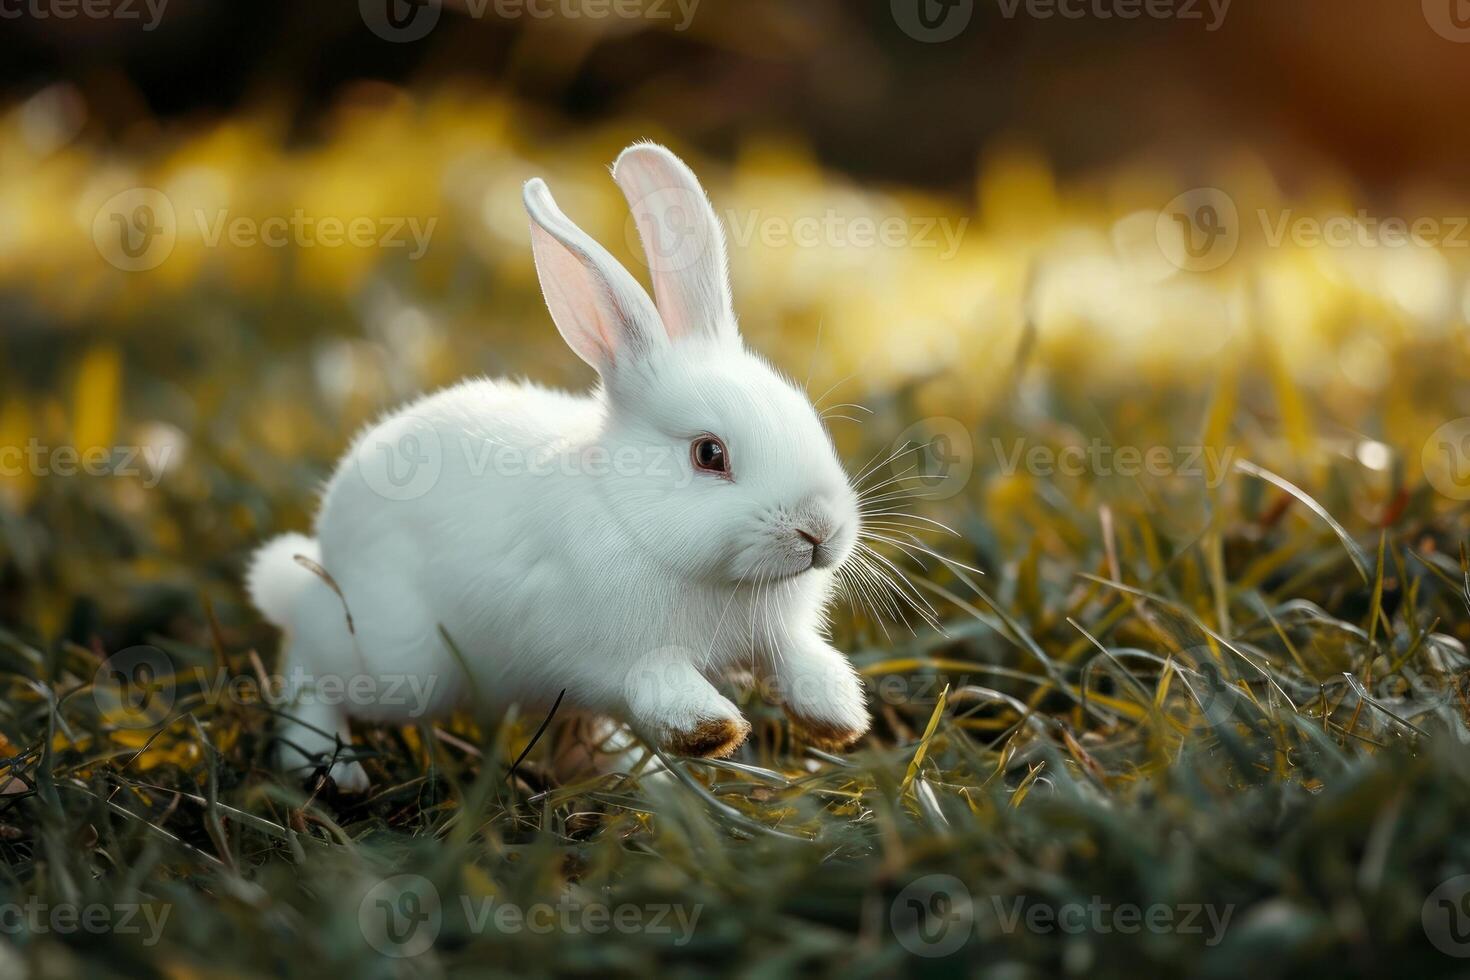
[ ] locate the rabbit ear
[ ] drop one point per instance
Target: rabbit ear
(682, 240)
(598, 307)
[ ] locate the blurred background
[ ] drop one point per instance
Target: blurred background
(230, 234)
(1170, 294)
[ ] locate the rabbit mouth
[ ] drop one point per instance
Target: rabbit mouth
(826, 547)
(825, 555)
(821, 556)
(799, 566)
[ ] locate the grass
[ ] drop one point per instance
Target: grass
(1063, 742)
(1225, 692)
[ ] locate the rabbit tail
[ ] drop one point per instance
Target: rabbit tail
(278, 582)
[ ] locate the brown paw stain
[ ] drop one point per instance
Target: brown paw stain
(824, 735)
(714, 738)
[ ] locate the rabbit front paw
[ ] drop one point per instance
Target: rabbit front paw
(822, 696)
(350, 777)
(828, 732)
(681, 710)
(711, 738)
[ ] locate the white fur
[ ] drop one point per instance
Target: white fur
(567, 542)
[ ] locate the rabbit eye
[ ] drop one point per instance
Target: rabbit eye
(708, 454)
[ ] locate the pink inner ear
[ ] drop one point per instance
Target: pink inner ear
(579, 305)
(673, 218)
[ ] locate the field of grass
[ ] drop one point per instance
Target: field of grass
(1203, 714)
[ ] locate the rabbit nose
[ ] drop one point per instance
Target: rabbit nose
(822, 553)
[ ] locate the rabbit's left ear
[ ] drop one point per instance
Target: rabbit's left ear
(599, 309)
(682, 240)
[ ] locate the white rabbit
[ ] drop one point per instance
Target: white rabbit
(626, 546)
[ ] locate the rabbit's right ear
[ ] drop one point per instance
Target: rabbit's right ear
(682, 240)
(598, 307)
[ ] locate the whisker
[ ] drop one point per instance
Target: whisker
(914, 544)
(897, 495)
(870, 468)
(714, 637)
(861, 408)
(903, 581)
(876, 593)
(915, 517)
(902, 475)
(904, 547)
(893, 591)
(818, 402)
(811, 365)
(898, 524)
